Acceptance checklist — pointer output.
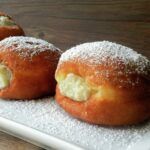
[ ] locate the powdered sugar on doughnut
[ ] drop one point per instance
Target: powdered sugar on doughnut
(27, 46)
(97, 53)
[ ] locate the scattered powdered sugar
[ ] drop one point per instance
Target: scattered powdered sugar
(46, 116)
(27, 46)
(96, 53)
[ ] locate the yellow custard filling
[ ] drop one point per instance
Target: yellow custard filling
(5, 76)
(74, 87)
(5, 21)
(78, 89)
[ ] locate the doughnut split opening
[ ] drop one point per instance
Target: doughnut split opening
(75, 87)
(6, 21)
(79, 89)
(5, 76)
(8, 27)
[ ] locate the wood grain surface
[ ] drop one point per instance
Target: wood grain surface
(66, 23)
(8, 142)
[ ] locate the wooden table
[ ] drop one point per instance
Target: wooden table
(66, 23)
(8, 142)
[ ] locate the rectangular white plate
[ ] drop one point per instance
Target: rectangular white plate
(45, 124)
(34, 136)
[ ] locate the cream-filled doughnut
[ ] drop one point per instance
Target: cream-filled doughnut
(27, 67)
(8, 27)
(104, 83)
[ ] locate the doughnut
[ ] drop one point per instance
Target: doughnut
(27, 68)
(8, 27)
(104, 83)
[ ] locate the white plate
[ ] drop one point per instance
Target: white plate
(34, 136)
(45, 124)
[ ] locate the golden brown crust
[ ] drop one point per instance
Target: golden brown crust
(31, 78)
(7, 31)
(131, 102)
(10, 31)
(106, 112)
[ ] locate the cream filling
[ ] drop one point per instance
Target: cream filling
(5, 21)
(74, 87)
(5, 76)
(77, 88)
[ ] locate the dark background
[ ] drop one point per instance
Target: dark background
(66, 23)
